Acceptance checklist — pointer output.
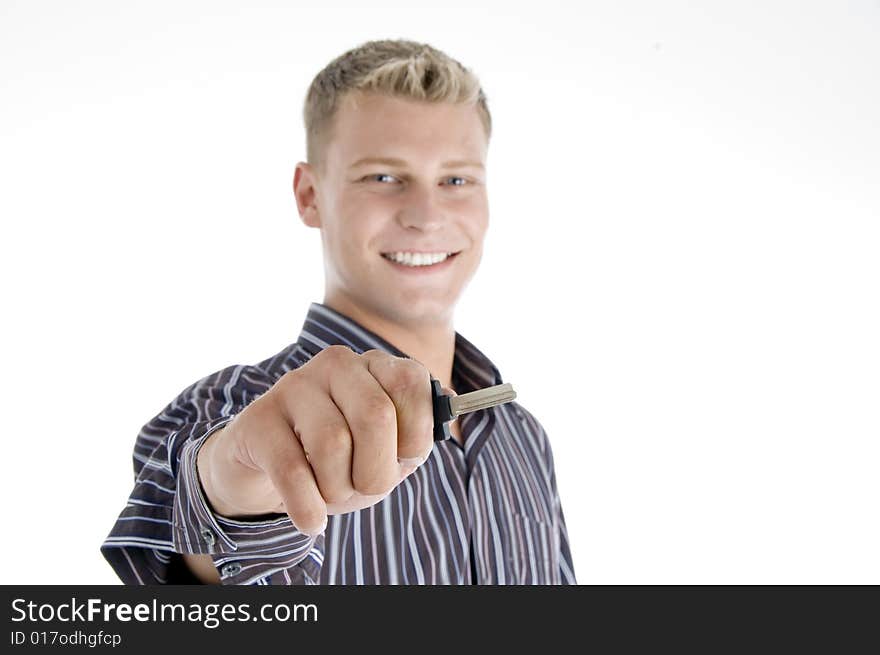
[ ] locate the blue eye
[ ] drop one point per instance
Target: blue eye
(378, 175)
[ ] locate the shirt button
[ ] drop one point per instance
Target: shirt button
(230, 569)
(208, 536)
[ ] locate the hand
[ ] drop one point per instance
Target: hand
(335, 435)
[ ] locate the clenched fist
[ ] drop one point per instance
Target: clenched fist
(336, 435)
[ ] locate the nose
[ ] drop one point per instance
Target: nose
(422, 210)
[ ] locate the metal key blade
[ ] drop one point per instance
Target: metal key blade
(481, 399)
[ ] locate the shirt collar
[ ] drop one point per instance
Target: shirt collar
(324, 327)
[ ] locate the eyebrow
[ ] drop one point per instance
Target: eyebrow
(392, 161)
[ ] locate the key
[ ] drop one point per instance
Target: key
(448, 407)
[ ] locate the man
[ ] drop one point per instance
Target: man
(317, 465)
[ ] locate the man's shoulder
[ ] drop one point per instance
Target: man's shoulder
(288, 358)
(254, 377)
(528, 425)
(524, 415)
(528, 422)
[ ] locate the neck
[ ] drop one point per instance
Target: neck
(431, 344)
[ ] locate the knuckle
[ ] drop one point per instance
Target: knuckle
(371, 485)
(379, 413)
(334, 354)
(417, 372)
(290, 383)
(410, 377)
(331, 440)
(374, 354)
(259, 410)
(286, 464)
(386, 414)
(336, 494)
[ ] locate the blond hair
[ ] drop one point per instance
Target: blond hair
(398, 68)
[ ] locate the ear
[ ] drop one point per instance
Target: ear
(304, 191)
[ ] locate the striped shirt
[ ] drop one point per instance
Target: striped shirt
(485, 513)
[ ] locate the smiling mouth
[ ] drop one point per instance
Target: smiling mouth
(419, 258)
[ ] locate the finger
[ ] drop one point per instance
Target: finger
(372, 422)
(408, 384)
(277, 451)
(326, 440)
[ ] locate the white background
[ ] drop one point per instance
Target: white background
(681, 276)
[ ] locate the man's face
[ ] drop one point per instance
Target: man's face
(427, 195)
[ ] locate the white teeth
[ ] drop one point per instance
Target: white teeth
(416, 259)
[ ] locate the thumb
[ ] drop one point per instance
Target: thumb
(448, 391)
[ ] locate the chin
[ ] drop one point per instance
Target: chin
(420, 311)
